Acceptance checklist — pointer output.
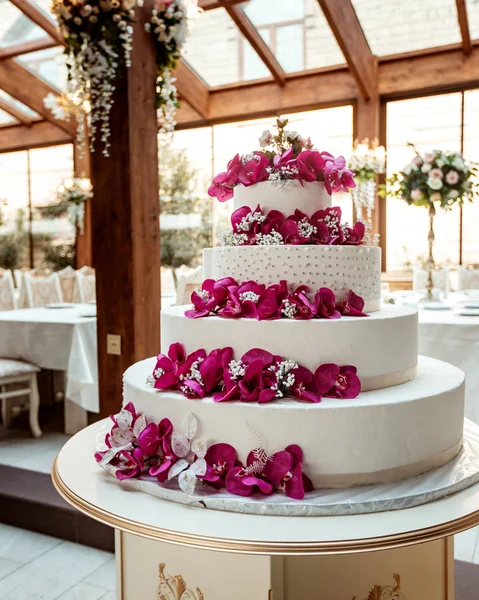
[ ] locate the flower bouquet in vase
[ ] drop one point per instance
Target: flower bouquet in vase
(368, 160)
(435, 178)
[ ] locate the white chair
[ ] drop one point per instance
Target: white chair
(187, 283)
(7, 291)
(18, 276)
(39, 288)
(68, 280)
(18, 381)
(85, 289)
(440, 280)
(468, 277)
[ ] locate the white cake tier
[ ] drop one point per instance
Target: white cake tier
(340, 268)
(285, 196)
(381, 436)
(382, 346)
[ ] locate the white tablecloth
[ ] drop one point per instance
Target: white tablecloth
(56, 338)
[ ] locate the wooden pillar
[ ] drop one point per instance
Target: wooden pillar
(81, 168)
(368, 124)
(125, 224)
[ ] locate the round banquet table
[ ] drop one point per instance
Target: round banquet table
(171, 551)
(453, 338)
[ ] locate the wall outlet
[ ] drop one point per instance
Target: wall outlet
(113, 344)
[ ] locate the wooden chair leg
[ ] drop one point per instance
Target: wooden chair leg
(6, 409)
(34, 406)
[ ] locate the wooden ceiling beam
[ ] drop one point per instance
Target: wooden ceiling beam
(192, 89)
(212, 4)
(257, 42)
(31, 10)
(349, 34)
(464, 26)
(39, 134)
(27, 47)
(15, 113)
(22, 85)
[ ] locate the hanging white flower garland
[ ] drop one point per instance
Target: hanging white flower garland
(367, 161)
(72, 195)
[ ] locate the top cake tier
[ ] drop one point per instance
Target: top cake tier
(285, 196)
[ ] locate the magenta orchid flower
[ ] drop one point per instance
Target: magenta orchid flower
(285, 471)
(333, 381)
(203, 300)
(310, 165)
(337, 178)
(273, 222)
(245, 481)
(166, 371)
(329, 218)
(220, 459)
(324, 305)
(223, 184)
(166, 458)
(353, 306)
(297, 229)
(354, 236)
(130, 464)
(254, 170)
(297, 305)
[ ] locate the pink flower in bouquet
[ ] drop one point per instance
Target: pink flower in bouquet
(203, 301)
(269, 305)
(221, 289)
(337, 178)
(452, 177)
(429, 157)
(130, 465)
(333, 381)
(247, 221)
(243, 300)
(435, 174)
(220, 459)
(166, 371)
(416, 194)
(417, 160)
(265, 138)
(297, 304)
(328, 225)
(286, 164)
(167, 457)
(285, 471)
(354, 236)
(290, 380)
(353, 306)
(245, 481)
(254, 170)
(202, 373)
(310, 164)
(297, 228)
(273, 222)
(223, 183)
(324, 305)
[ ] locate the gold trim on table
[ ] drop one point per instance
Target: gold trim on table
(179, 538)
(387, 592)
(173, 587)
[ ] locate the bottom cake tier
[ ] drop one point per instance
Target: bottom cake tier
(378, 437)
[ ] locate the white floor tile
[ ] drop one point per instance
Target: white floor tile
(109, 596)
(7, 566)
(23, 546)
(83, 591)
(104, 577)
(19, 449)
(53, 573)
(465, 544)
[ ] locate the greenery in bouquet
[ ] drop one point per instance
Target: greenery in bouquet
(434, 178)
(168, 25)
(98, 36)
(70, 201)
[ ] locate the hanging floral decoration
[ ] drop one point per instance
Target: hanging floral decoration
(367, 161)
(98, 36)
(169, 24)
(70, 200)
(69, 106)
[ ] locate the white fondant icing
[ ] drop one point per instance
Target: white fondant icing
(285, 196)
(340, 268)
(382, 346)
(346, 441)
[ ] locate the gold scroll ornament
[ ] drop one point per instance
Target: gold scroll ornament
(173, 587)
(388, 592)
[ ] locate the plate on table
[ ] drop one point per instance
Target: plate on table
(470, 306)
(471, 293)
(437, 306)
(59, 305)
(464, 312)
(88, 311)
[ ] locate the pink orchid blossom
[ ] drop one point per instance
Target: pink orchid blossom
(223, 183)
(297, 304)
(333, 381)
(131, 464)
(244, 481)
(166, 458)
(337, 178)
(285, 471)
(220, 459)
(354, 236)
(203, 300)
(324, 305)
(166, 371)
(254, 170)
(353, 306)
(311, 165)
(331, 219)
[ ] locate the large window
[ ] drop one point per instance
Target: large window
(446, 122)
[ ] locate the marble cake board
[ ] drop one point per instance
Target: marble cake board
(172, 551)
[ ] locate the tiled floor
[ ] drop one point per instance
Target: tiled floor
(39, 567)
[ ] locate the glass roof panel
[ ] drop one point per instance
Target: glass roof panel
(473, 15)
(28, 112)
(218, 52)
(15, 27)
(6, 119)
(47, 64)
(404, 25)
(297, 33)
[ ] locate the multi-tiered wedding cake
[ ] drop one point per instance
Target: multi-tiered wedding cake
(287, 374)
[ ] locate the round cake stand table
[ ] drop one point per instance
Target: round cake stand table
(171, 551)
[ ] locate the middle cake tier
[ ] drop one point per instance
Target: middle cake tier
(383, 347)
